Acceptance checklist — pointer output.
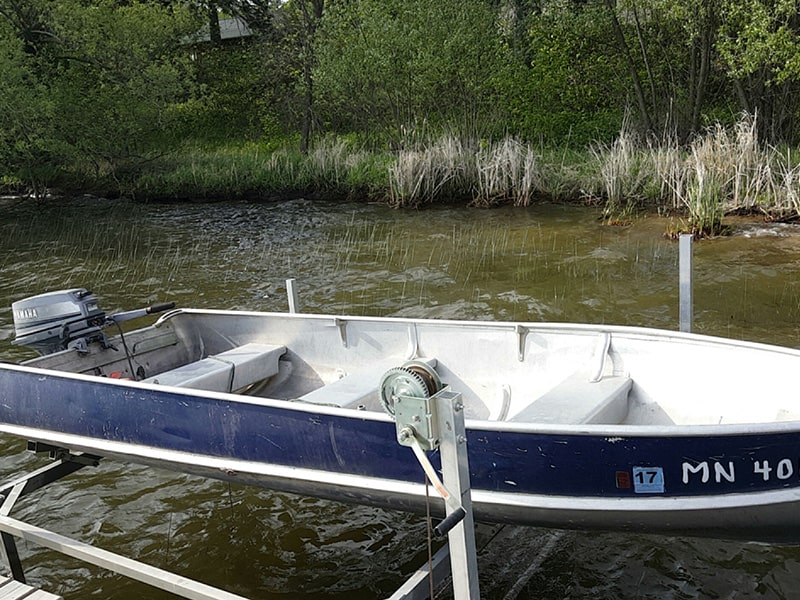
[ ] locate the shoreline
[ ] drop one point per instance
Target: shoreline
(716, 175)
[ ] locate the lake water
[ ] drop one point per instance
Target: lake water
(550, 262)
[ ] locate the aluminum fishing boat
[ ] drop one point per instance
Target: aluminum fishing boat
(568, 426)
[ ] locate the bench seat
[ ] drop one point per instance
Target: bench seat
(227, 371)
(577, 400)
(354, 389)
(350, 390)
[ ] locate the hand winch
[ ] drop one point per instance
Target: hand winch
(410, 393)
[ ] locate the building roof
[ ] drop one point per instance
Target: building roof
(229, 29)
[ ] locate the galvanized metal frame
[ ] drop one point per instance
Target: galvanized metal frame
(65, 464)
(441, 420)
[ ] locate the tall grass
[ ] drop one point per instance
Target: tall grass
(721, 171)
(334, 168)
(625, 174)
(443, 169)
(507, 170)
(448, 168)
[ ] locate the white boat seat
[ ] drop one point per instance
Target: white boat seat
(350, 390)
(353, 389)
(227, 371)
(577, 400)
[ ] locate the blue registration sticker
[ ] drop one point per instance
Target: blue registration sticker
(648, 480)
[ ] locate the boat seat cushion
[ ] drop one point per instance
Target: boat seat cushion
(227, 371)
(578, 400)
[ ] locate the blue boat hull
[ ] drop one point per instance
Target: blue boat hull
(597, 476)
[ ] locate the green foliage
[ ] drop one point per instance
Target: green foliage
(117, 75)
(569, 90)
(758, 34)
(232, 88)
(388, 66)
(94, 89)
(688, 61)
(26, 117)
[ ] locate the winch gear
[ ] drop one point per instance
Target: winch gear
(415, 378)
(400, 381)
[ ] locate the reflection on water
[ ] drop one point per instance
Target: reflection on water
(553, 263)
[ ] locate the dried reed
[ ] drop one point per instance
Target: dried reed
(451, 168)
(718, 172)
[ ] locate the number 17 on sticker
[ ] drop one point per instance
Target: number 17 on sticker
(648, 480)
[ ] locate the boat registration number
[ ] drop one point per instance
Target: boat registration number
(648, 480)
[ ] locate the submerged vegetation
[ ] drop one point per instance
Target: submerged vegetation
(627, 104)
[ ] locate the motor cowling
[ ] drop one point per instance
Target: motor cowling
(51, 322)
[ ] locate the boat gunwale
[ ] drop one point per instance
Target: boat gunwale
(630, 331)
(599, 430)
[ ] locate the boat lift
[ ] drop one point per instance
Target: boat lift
(65, 464)
(430, 416)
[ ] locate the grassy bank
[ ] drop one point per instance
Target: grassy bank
(446, 169)
(333, 169)
(723, 171)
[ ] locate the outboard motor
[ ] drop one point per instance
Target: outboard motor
(66, 319)
(55, 321)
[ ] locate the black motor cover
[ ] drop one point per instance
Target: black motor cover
(49, 322)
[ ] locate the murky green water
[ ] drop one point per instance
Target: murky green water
(543, 263)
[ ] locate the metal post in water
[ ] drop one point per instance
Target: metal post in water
(685, 262)
(291, 292)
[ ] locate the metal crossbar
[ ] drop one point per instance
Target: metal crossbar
(66, 464)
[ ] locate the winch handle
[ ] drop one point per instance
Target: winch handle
(453, 519)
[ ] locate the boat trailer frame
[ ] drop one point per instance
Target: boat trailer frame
(65, 464)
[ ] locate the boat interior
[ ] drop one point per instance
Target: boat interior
(505, 373)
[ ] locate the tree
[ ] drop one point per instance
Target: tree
(685, 57)
(570, 86)
(26, 116)
(627, 53)
(121, 74)
(27, 21)
(109, 74)
(288, 33)
(310, 12)
(669, 48)
(391, 65)
(760, 44)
